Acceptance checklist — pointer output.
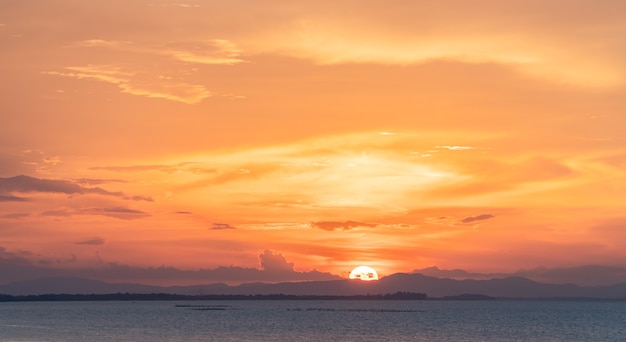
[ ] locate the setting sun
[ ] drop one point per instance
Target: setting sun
(365, 273)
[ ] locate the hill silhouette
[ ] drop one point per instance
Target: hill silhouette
(510, 287)
(584, 275)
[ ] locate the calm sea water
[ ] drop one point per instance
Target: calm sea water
(314, 321)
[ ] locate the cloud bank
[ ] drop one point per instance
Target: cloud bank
(17, 266)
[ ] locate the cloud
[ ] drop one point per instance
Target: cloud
(180, 4)
(173, 275)
(134, 168)
(26, 184)
(528, 38)
(118, 44)
(91, 242)
(10, 198)
(116, 212)
(215, 51)
(221, 226)
(345, 225)
(31, 184)
(139, 198)
(89, 181)
(455, 148)
(27, 161)
(274, 262)
(162, 77)
(192, 167)
(483, 217)
(134, 84)
(210, 51)
(23, 265)
(178, 92)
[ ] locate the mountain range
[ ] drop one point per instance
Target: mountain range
(584, 275)
(508, 287)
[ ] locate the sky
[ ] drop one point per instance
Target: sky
(177, 142)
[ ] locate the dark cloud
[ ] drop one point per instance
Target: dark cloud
(222, 226)
(11, 198)
(92, 242)
(140, 198)
(23, 265)
(26, 184)
(273, 262)
(230, 274)
(471, 219)
(31, 184)
(346, 225)
(90, 181)
(116, 212)
(184, 212)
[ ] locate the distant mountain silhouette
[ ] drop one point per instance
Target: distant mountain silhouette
(72, 286)
(510, 287)
(458, 274)
(585, 275)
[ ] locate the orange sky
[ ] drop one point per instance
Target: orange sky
(288, 136)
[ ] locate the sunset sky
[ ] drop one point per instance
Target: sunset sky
(196, 141)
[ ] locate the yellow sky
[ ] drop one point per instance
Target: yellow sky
(288, 136)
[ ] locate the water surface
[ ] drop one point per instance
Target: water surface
(312, 320)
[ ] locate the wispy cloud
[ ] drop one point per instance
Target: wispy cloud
(346, 225)
(116, 44)
(134, 84)
(155, 82)
(91, 181)
(215, 51)
(121, 213)
(455, 148)
(193, 167)
(210, 51)
(420, 33)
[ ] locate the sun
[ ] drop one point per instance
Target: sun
(364, 273)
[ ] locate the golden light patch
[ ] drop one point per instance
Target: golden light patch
(364, 273)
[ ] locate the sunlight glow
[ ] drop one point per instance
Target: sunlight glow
(364, 273)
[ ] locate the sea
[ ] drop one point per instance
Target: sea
(315, 320)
